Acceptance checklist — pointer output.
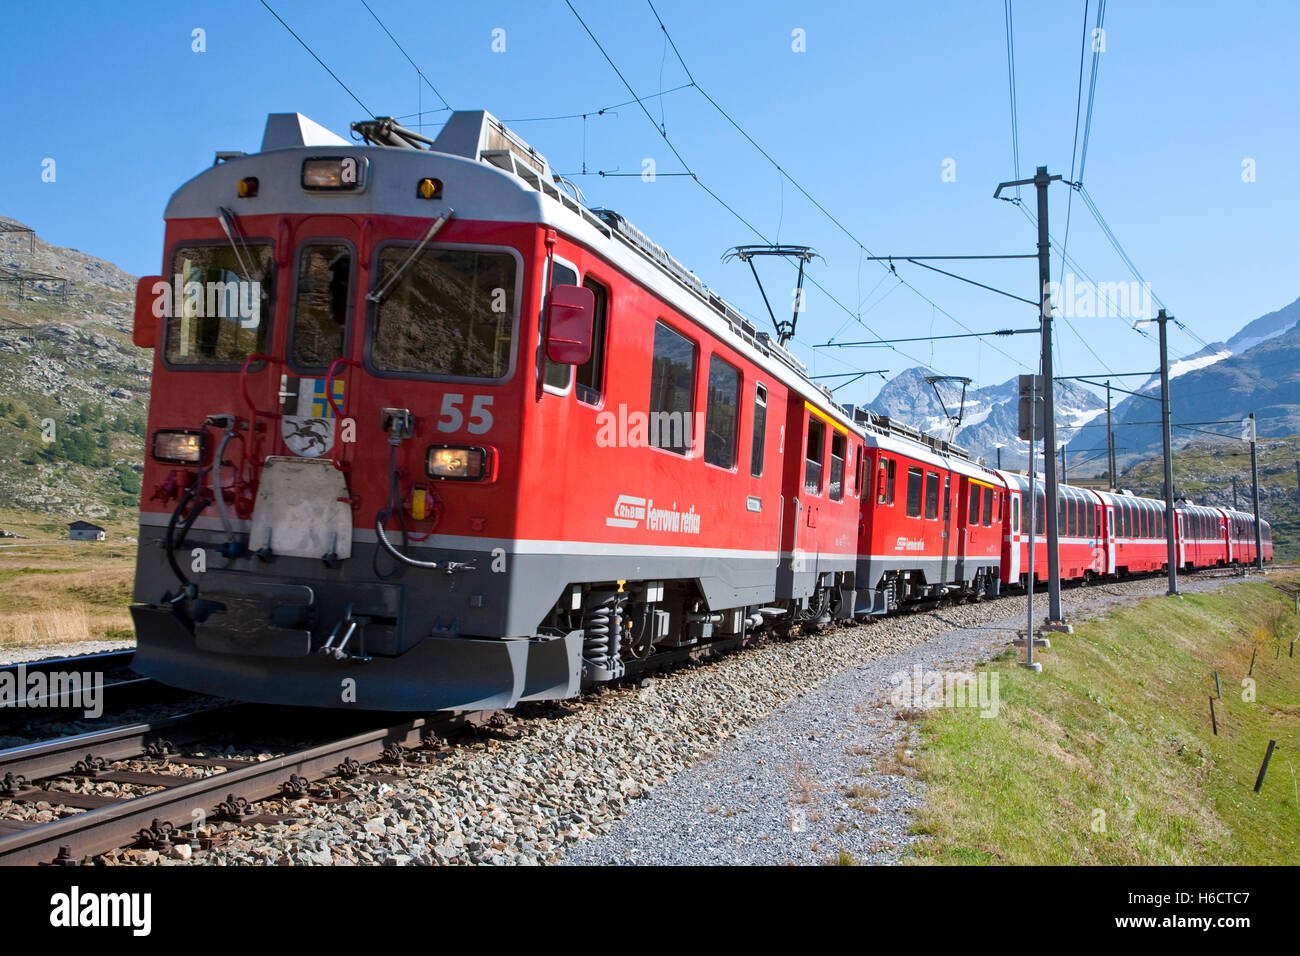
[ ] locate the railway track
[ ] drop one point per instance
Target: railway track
(32, 775)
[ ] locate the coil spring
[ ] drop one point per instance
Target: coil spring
(602, 625)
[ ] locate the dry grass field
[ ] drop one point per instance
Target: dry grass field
(56, 591)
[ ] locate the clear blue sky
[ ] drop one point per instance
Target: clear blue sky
(864, 119)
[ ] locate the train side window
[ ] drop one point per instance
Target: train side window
(760, 430)
(914, 489)
(672, 391)
(555, 375)
(721, 413)
(885, 482)
(931, 494)
(839, 450)
(1015, 514)
(988, 507)
(863, 475)
(322, 301)
(1040, 517)
(814, 456)
(973, 512)
(591, 374)
(1092, 520)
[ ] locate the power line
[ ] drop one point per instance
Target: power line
(363, 106)
(405, 54)
(766, 155)
(1011, 85)
(699, 182)
(598, 112)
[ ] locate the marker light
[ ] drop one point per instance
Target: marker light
(456, 464)
(181, 448)
(332, 173)
(247, 188)
(429, 188)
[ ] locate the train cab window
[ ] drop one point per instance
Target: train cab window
(321, 304)
(224, 314)
(672, 391)
(932, 494)
(885, 482)
(973, 512)
(839, 443)
(760, 429)
(988, 507)
(721, 413)
(591, 374)
(814, 456)
(447, 312)
(914, 492)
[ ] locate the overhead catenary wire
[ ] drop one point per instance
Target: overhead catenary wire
(402, 50)
(836, 221)
(713, 194)
(303, 42)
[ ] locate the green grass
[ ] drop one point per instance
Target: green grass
(1108, 755)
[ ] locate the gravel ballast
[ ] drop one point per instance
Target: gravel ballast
(754, 758)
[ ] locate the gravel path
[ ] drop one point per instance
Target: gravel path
(18, 655)
(827, 777)
(746, 759)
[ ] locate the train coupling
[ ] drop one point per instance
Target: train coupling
(348, 625)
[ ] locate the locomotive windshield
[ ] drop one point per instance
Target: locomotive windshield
(451, 312)
(221, 303)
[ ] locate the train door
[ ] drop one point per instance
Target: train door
(946, 533)
(1180, 538)
(806, 439)
(1012, 535)
(1108, 515)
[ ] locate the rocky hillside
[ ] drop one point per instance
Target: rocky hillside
(74, 404)
(1204, 471)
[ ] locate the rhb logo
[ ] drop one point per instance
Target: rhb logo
(629, 512)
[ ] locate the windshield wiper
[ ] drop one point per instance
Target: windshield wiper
(378, 295)
(230, 227)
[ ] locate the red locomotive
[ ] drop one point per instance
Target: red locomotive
(428, 433)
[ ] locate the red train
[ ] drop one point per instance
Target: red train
(427, 433)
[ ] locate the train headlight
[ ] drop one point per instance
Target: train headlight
(334, 173)
(177, 447)
(451, 463)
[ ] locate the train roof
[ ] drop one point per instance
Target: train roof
(488, 155)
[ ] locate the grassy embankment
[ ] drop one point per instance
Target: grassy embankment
(1108, 756)
(55, 591)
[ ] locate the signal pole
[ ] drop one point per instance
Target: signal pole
(1040, 182)
(1236, 501)
(1171, 519)
(1171, 529)
(1254, 493)
(1110, 440)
